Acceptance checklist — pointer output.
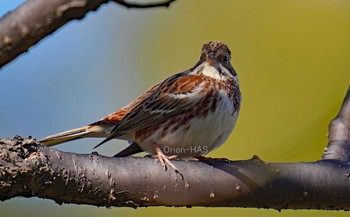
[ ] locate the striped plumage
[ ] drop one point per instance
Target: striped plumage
(187, 114)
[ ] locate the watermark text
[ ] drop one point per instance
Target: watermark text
(200, 150)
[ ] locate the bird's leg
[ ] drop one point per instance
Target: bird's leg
(163, 159)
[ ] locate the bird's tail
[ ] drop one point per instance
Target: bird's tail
(78, 133)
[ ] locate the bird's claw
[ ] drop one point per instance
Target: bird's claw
(165, 160)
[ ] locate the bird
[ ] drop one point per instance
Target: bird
(188, 114)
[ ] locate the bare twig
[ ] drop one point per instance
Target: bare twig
(339, 134)
(35, 19)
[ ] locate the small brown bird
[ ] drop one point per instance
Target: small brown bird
(188, 114)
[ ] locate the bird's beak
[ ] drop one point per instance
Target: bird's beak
(211, 59)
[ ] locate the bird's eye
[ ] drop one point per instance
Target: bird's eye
(226, 58)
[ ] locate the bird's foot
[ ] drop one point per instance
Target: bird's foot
(165, 160)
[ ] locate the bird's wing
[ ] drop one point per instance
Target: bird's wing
(173, 96)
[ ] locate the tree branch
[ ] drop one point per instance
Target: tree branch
(35, 19)
(339, 134)
(29, 169)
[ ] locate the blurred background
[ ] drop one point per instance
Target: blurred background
(292, 59)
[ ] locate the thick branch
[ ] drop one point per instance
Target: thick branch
(35, 19)
(339, 134)
(28, 169)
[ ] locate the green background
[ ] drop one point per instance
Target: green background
(292, 59)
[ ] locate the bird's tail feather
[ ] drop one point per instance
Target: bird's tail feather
(69, 135)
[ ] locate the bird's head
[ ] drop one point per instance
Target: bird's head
(217, 55)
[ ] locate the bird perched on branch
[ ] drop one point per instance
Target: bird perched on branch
(186, 115)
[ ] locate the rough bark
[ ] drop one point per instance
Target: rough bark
(35, 19)
(29, 169)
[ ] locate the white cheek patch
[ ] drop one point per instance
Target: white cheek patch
(211, 71)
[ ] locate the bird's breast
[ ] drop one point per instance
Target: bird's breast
(196, 131)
